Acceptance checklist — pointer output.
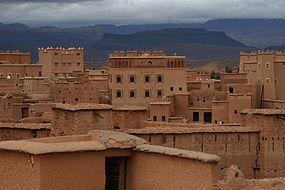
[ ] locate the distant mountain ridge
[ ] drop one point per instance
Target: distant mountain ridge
(196, 44)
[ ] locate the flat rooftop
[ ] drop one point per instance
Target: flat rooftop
(26, 125)
(264, 111)
(79, 107)
(99, 140)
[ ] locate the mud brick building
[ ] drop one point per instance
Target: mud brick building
(102, 160)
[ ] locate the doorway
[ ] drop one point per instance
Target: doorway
(115, 171)
(208, 117)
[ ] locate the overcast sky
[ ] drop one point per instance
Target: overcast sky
(92, 12)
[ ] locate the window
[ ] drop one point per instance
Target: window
(55, 53)
(159, 93)
(159, 78)
(119, 79)
(231, 90)
(1, 75)
(195, 116)
(76, 99)
(64, 74)
(132, 93)
(69, 64)
(171, 88)
(69, 74)
(267, 65)
(132, 79)
(235, 111)
(78, 54)
(18, 75)
(56, 74)
(64, 64)
(267, 81)
(78, 64)
(208, 86)
(180, 88)
(146, 78)
(275, 81)
(163, 118)
(119, 93)
(56, 64)
(146, 93)
(155, 118)
(40, 73)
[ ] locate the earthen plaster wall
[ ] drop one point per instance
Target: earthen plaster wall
(156, 171)
(79, 170)
(234, 148)
(24, 169)
(80, 122)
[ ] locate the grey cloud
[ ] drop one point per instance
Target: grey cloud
(82, 12)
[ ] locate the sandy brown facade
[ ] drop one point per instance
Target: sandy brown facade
(265, 70)
(141, 79)
(60, 62)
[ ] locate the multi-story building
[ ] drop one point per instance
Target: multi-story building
(144, 78)
(15, 65)
(60, 62)
(265, 70)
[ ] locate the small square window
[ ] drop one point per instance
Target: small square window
(159, 78)
(64, 74)
(69, 74)
(76, 99)
(146, 93)
(119, 94)
(56, 64)
(18, 75)
(78, 54)
(267, 66)
(69, 64)
(155, 118)
(163, 118)
(56, 74)
(235, 111)
(231, 90)
(267, 80)
(132, 79)
(171, 88)
(159, 93)
(64, 64)
(180, 88)
(1, 75)
(132, 94)
(119, 78)
(78, 64)
(146, 78)
(55, 53)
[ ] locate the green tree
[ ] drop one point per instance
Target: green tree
(218, 77)
(213, 74)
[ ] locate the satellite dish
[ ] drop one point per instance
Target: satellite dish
(8, 77)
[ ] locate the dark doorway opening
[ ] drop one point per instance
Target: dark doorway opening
(115, 171)
(207, 117)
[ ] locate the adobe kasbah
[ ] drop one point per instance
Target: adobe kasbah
(145, 121)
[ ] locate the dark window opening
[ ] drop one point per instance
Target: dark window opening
(207, 117)
(231, 90)
(146, 93)
(132, 79)
(132, 94)
(118, 78)
(180, 88)
(163, 118)
(119, 94)
(171, 88)
(155, 118)
(146, 78)
(34, 133)
(235, 111)
(159, 78)
(195, 116)
(159, 93)
(76, 99)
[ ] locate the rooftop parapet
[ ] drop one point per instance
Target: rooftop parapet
(132, 53)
